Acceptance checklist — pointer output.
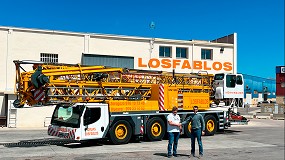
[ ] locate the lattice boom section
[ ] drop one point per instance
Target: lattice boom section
(77, 93)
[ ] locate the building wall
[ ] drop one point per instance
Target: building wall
(3, 59)
(2, 103)
(280, 84)
(24, 45)
(257, 87)
(33, 117)
(27, 44)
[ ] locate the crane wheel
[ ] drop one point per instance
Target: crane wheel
(210, 125)
(120, 132)
(155, 129)
(187, 129)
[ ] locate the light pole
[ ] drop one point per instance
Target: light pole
(152, 27)
(263, 90)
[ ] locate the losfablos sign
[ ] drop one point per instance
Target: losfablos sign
(185, 64)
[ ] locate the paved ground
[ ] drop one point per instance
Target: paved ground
(260, 140)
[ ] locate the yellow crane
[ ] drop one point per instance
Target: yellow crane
(94, 102)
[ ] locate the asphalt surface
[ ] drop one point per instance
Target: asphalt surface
(261, 139)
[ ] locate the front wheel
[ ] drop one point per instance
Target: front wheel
(210, 125)
(121, 132)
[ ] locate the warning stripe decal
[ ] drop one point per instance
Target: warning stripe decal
(161, 97)
(53, 131)
(39, 94)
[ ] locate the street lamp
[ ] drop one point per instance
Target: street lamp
(152, 27)
(263, 90)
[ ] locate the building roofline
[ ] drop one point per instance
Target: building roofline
(258, 77)
(113, 36)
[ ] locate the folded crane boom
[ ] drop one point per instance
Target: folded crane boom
(74, 83)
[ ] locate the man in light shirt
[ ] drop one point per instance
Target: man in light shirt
(173, 129)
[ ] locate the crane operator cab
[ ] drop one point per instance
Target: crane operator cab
(229, 89)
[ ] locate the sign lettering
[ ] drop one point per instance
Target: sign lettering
(92, 133)
(120, 106)
(62, 129)
(200, 101)
(228, 92)
(185, 64)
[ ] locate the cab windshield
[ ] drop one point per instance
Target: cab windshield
(219, 76)
(67, 115)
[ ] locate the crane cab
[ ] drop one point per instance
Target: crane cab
(229, 88)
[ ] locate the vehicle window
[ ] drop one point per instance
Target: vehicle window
(219, 77)
(64, 113)
(91, 115)
(239, 80)
(67, 116)
(231, 81)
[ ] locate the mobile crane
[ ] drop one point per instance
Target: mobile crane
(94, 102)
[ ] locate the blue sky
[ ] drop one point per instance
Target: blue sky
(259, 24)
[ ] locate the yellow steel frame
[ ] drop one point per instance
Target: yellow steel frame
(75, 83)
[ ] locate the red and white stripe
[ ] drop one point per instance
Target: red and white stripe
(142, 128)
(161, 98)
(141, 132)
(71, 134)
(53, 131)
(39, 94)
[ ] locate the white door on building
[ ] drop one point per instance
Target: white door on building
(260, 99)
(248, 99)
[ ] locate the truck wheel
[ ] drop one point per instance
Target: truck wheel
(155, 129)
(120, 132)
(210, 125)
(187, 129)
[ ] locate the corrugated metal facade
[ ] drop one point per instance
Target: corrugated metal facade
(111, 61)
(256, 85)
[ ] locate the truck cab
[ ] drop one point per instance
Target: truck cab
(79, 121)
(229, 88)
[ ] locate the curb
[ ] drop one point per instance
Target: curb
(270, 116)
(23, 129)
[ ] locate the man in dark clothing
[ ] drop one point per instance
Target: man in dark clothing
(197, 130)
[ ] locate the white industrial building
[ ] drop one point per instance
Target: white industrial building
(185, 56)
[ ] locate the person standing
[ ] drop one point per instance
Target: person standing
(173, 130)
(197, 130)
